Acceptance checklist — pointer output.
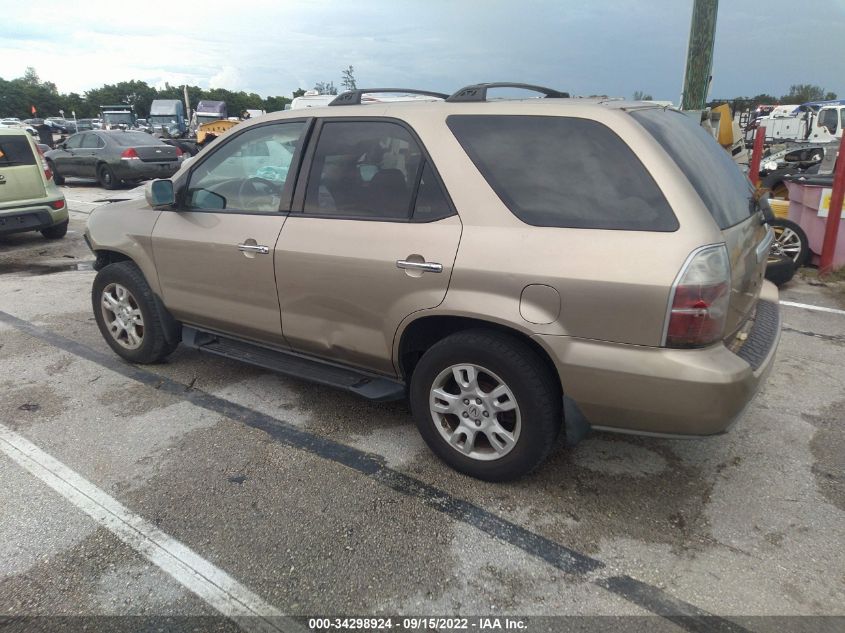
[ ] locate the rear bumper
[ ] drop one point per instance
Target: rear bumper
(140, 170)
(650, 390)
(31, 218)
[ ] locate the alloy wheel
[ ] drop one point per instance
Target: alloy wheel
(475, 412)
(122, 316)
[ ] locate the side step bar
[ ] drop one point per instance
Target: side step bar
(370, 386)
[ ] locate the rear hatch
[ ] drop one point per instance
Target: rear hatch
(147, 148)
(729, 197)
(20, 170)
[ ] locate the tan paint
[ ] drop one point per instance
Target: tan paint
(341, 293)
(539, 304)
(342, 297)
(205, 280)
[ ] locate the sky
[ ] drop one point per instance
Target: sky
(613, 47)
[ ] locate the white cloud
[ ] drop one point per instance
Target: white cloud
(273, 48)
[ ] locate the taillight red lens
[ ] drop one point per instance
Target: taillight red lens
(178, 152)
(48, 173)
(129, 153)
(700, 300)
(58, 204)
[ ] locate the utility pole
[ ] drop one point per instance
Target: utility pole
(702, 37)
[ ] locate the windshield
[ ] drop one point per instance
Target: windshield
(117, 117)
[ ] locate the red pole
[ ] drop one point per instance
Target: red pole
(834, 213)
(757, 155)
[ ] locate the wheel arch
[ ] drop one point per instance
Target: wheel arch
(172, 328)
(421, 333)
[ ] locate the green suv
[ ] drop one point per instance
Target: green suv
(29, 199)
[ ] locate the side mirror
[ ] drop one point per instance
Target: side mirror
(160, 193)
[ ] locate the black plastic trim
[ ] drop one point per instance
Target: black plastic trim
(353, 97)
(366, 384)
(478, 92)
(762, 336)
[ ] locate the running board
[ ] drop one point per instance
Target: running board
(369, 386)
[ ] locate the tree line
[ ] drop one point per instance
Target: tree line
(18, 97)
(798, 93)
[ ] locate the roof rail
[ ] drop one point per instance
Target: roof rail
(478, 92)
(353, 97)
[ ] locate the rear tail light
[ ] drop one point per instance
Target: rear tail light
(129, 154)
(178, 152)
(699, 300)
(48, 173)
(58, 204)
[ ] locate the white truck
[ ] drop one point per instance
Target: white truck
(815, 122)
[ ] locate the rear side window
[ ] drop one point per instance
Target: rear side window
(92, 141)
(563, 172)
(363, 169)
(723, 188)
(15, 151)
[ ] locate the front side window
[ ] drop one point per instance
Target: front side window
(75, 141)
(248, 173)
(563, 172)
(827, 118)
(364, 169)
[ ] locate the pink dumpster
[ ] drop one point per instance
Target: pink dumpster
(805, 198)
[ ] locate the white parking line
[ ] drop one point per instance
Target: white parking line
(807, 306)
(213, 585)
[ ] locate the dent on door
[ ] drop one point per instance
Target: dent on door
(342, 292)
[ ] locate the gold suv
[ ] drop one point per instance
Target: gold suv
(514, 267)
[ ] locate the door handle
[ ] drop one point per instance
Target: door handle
(429, 267)
(254, 248)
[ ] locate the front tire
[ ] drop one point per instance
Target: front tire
(126, 313)
(486, 404)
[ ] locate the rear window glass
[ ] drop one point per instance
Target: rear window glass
(724, 189)
(563, 172)
(128, 139)
(15, 150)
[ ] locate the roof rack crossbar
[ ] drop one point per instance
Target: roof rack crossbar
(478, 92)
(353, 97)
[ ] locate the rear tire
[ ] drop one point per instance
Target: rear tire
(106, 177)
(780, 269)
(792, 240)
(127, 314)
(476, 432)
(56, 232)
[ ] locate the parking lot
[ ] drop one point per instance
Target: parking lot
(202, 487)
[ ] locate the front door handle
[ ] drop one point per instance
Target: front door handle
(428, 267)
(254, 248)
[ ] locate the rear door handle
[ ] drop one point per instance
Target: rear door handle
(429, 267)
(254, 248)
